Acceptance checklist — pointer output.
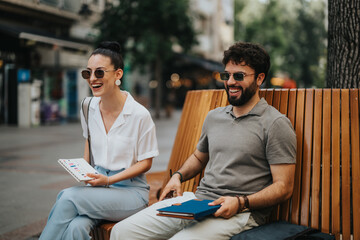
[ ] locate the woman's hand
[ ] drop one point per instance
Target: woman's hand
(229, 206)
(98, 180)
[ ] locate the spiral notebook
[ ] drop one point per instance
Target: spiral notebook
(78, 168)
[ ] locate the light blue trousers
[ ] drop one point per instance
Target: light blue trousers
(78, 209)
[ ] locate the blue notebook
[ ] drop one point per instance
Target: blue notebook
(192, 209)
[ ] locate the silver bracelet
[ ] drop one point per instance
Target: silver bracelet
(107, 185)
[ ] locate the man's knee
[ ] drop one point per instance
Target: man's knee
(120, 231)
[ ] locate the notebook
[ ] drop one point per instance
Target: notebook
(192, 209)
(78, 168)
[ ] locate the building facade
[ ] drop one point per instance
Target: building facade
(43, 46)
(214, 24)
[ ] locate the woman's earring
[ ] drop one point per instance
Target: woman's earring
(117, 82)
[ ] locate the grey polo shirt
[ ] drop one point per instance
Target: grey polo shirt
(242, 149)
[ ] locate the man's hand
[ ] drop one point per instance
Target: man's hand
(98, 179)
(174, 185)
(229, 206)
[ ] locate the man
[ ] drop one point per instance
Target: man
(248, 151)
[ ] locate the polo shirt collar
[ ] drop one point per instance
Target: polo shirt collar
(257, 110)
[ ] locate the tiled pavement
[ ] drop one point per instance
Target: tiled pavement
(30, 176)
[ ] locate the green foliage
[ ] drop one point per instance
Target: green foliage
(147, 29)
(294, 37)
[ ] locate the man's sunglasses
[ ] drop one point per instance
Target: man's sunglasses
(238, 76)
(99, 73)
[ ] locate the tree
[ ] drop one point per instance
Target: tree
(343, 69)
(149, 30)
(293, 34)
(306, 52)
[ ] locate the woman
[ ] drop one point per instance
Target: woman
(123, 144)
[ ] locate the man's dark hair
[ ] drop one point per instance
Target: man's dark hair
(252, 54)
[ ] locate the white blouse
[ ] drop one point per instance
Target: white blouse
(132, 137)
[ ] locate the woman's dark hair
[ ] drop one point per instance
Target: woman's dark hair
(111, 50)
(252, 54)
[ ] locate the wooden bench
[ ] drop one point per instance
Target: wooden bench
(327, 181)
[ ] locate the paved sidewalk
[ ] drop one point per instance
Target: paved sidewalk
(31, 177)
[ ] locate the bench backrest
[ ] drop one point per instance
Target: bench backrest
(327, 181)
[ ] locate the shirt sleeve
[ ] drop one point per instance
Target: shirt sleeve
(281, 142)
(203, 144)
(147, 144)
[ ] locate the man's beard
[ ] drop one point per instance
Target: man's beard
(246, 94)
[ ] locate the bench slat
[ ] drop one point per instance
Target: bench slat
(291, 112)
(355, 146)
(316, 160)
(306, 160)
(276, 99)
(325, 185)
(335, 154)
(299, 128)
(284, 104)
(269, 96)
(262, 93)
(284, 101)
(345, 163)
(288, 98)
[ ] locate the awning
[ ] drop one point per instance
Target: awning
(204, 63)
(54, 41)
(43, 37)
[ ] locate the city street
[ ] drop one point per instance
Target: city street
(31, 177)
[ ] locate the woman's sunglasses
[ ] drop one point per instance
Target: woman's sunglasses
(99, 73)
(238, 76)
